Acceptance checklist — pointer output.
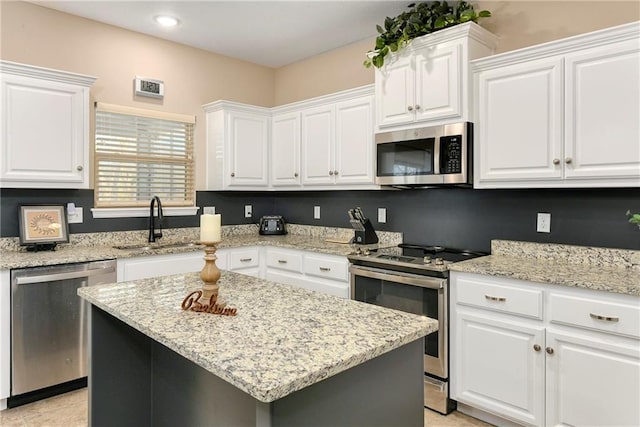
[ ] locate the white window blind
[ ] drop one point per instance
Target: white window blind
(140, 154)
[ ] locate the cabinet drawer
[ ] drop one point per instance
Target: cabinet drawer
(243, 259)
(284, 260)
(506, 299)
(590, 313)
(334, 268)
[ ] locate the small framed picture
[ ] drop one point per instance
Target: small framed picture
(43, 224)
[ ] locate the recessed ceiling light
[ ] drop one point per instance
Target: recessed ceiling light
(166, 21)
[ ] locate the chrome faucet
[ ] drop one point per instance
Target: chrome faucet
(153, 234)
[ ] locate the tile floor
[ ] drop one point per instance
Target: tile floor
(70, 410)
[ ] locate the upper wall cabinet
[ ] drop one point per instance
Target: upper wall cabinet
(285, 149)
(561, 114)
(429, 80)
(44, 141)
(237, 146)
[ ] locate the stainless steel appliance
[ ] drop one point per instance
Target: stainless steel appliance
(272, 224)
(414, 278)
(49, 324)
(426, 156)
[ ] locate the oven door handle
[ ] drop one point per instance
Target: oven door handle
(398, 277)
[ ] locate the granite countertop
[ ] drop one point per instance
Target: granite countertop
(281, 340)
(602, 269)
(65, 254)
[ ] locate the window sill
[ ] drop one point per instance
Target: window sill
(141, 212)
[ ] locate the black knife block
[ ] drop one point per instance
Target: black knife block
(367, 236)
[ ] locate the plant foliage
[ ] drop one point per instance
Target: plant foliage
(634, 218)
(421, 18)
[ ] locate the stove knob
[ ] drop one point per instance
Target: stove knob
(426, 260)
(358, 251)
(438, 261)
(366, 252)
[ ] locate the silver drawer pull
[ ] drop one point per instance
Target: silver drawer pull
(282, 261)
(245, 259)
(499, 299)
(325, 269)
(607, 318)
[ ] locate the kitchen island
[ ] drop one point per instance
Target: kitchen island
(289, 357)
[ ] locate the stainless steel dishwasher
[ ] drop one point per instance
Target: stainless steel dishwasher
(49, 323)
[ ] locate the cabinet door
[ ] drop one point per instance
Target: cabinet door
(395, 91)
(354, 142)
(602, 111)
(44, 132)
(592, 381)
(159, 265)
(519, 129)
(496, 367)
(318, 138)
(438, 83)
(248, 145)
(285, 150)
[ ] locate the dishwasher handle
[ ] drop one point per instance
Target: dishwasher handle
(63, 276)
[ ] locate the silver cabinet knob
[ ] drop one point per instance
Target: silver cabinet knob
(335, 172)
(331, 173)
(536, 347)
(556, 161)
(232, 174)
(568, 160)
(417, 107)
(295, 175)
(79, 167)
(549, 350)
(410, 108)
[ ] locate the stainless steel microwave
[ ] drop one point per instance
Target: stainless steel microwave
(426, 156)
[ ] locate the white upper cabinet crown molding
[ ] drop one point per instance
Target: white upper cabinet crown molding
(343, 95)
(15, 68)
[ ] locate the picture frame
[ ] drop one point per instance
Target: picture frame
(43, 224)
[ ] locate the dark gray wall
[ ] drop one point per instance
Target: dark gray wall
(458, 217)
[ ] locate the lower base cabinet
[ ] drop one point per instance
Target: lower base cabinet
(545, 355)
(309, 270)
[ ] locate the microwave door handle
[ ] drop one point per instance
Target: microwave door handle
(436, 156)
(405, 278)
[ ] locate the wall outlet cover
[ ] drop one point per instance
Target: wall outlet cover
(75, 217)
(316, 212)
(382, 215)
(544, 223)
(248, 211)
(211, 210)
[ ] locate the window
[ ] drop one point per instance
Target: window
(140, 154)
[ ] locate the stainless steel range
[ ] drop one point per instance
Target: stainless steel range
(415, 279)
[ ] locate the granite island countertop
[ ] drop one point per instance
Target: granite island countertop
(281, 340)
(602, 269)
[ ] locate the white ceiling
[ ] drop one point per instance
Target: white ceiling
(270, 33)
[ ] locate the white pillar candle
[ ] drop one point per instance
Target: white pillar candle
(210, 228)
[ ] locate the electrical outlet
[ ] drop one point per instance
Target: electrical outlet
(75, 217)
(382, 215)
(210, 210)
(248, 211)
(316, 212)
(544, 223)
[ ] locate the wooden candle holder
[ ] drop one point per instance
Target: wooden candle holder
(210, 273)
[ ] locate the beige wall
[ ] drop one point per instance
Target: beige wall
(39, 36)
(517, 23)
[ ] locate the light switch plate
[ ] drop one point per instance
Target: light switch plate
(382, 215)
(211, 210)
(75, 217)
(316, 212)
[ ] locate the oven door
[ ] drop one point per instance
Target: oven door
(412, 293)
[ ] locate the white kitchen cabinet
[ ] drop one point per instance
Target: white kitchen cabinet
(237, 146)
(44, 141)
(285, 150)
(5, 337)
(544, 355)
(246, 261)
(144, 267)
(337, 143)
(575, 124)
(428, 82)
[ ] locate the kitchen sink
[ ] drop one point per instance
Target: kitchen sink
(148, 247)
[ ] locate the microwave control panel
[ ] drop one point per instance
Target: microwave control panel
(451, 154)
